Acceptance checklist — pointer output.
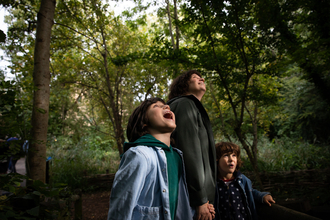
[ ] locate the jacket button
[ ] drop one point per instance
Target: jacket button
(165, 212)
(164, 190)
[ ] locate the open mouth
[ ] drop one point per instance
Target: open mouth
(168, 115)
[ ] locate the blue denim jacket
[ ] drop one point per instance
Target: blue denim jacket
(250, 195)
(140, 187)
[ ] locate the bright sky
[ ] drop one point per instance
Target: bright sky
(3, 27)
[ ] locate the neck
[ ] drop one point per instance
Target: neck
(163, 137)
(198, 95)
(226, 176)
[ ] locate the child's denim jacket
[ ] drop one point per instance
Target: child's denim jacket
(250, 196)
(140, 187)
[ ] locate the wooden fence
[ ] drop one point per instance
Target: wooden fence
(310, 178)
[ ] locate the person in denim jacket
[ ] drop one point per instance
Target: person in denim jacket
(150, 182)
(235, 197)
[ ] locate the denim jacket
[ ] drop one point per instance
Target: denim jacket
(140, 187)
(250, 196)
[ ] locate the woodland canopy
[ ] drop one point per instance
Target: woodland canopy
(266, 65)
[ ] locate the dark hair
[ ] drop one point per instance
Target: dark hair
(228, 147)
(180, 85)
(136, 123)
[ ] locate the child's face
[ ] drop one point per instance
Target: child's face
(161, 119)
(227, 165)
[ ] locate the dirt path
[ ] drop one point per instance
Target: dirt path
(95, 205)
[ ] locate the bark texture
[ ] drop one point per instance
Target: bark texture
(36, 166)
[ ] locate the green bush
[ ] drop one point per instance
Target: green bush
(70, 162)
(38, 201)
(289, 154)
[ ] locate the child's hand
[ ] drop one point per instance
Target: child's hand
(212, 210)
(268, 199)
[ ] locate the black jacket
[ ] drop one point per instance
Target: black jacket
(193, 136)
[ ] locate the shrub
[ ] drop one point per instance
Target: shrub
(289, 154)
(71, 163)
(38, 201)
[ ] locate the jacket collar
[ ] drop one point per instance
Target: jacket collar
(238, 175)
(198, 104)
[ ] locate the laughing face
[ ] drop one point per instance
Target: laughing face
(161, 119)
(227, 165)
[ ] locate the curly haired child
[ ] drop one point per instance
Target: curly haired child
(235, 197)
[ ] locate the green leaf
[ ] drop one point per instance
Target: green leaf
(37, 193)
(34, 211)
(11, 189)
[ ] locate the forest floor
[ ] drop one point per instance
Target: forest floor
(95, 205)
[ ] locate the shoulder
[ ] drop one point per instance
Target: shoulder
(183, 102)
(140, 151)
(181, 99)
(241, 176)
(244, 177)
(245, 180)
(141, 154)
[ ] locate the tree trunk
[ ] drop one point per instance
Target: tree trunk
(120, 139)
(113, 99)
(253, 159)
(177, 32)
(36, 166)
(170, 23)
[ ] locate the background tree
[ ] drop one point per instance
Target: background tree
(261, 72)
(36, 166)
(229, 48)
(108, 68)
(301, 30)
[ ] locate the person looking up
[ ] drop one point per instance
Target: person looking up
(194, 137)
(150, 182)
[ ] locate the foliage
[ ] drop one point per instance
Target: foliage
(71, 163)
(266, 65)
(303, 112)
(286, 154)
(104, 65)
(301, 28)
(13, 113)
(228, 47)
(39, 201)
